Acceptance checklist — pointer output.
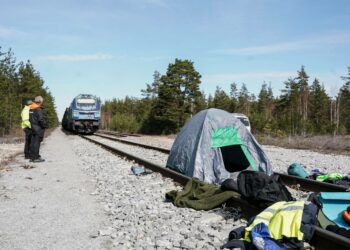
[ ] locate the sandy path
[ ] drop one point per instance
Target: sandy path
(50, 206)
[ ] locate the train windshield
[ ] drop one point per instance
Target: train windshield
(86, 104)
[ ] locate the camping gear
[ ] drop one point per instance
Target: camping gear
(213, 145)
(284, 224)
(200, 196)
(339, 230)
(284, 220)
(346, 215)
(261, 238)
(230, 185)
(333, 205)
(237, 233)
(137, 170)
(261, 189)
(330, 177)
(296, 169)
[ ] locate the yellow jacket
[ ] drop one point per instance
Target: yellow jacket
(282, 218)
(25, 117)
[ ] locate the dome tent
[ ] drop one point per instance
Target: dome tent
(213, 145)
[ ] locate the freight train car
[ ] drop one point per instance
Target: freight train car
(83, 115)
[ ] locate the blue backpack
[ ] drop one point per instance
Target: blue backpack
(297, 170)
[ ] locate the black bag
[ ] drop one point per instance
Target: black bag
(261, 189)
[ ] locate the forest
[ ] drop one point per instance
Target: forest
(302, 107)
(18, 83)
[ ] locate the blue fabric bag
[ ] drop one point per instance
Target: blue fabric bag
(297, 170)
(261, 238)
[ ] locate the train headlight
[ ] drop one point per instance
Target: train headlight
(75, 114)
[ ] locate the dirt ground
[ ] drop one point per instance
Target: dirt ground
(49, 205)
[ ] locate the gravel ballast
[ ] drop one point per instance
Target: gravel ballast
(280, 158)
(84, 197)
(141, 217)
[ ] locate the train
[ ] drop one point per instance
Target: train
(83, 115)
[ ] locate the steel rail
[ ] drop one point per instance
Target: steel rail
(163, 150)
(289, 180)
(117, 133)
(322, 239)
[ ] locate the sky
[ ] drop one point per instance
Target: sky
(111, 48)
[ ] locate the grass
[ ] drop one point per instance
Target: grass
(320, 143)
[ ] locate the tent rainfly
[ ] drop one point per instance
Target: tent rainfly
(214, 146)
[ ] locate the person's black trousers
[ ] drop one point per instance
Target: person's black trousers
(35, 146)
(28, 137)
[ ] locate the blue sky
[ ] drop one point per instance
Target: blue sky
(111, 48)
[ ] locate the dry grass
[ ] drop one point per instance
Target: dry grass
(321, 143)
(8, 160)
(15, 138)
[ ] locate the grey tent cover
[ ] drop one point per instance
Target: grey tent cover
(214, 146)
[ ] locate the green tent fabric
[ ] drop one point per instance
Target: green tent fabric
(222, 137)
(200, 196)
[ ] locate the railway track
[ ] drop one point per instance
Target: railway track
(292, 181)
(322, 239)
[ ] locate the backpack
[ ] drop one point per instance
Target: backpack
(297, 170)
(262, 190)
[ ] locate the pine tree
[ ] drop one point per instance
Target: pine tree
(18, 83)
(302, 82)
(151, 90)
(221, 99)
(8, 92)
(344, 103)
(319, 109)
(287, 108)
(243, 100)
(177, 95)
(200, 102)
(233, 96)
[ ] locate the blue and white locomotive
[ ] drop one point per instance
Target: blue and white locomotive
(83, 115)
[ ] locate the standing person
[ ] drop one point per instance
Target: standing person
(26, 127)
(37, 121)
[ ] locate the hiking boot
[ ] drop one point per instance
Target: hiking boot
(37, 160)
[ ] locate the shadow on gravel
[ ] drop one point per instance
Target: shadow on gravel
(72, 133)
(69, 133)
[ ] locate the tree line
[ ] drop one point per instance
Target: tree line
(302, 108)
(18, 83)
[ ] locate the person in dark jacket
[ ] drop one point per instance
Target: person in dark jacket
(37, 121)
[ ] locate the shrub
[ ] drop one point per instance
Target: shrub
(125, 123)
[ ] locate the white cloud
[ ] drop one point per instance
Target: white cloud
(220, 78)
(320, 41)
(7, 32)
(77, 58)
